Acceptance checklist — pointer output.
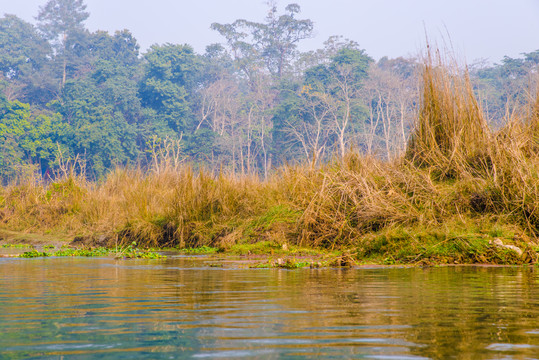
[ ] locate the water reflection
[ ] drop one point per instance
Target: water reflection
(178, 308)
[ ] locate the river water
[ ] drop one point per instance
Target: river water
(182, 308)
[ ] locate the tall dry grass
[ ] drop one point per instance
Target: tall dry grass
(451, 129)
(512, 179)
(170, 207)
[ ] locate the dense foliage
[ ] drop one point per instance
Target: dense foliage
(246, 105)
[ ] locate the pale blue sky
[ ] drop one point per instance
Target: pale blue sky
(477, 28)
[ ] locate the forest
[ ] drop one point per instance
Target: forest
(246, 105)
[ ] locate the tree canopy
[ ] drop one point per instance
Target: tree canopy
(246, 105)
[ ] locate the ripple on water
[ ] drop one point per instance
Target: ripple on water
(162, 308)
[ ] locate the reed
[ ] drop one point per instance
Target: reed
(451, 129)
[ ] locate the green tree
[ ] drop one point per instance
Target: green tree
(62, 23)
(24, 61)
(504, 84)
(333, 98)
(273, 42)
(98, 130)
(117, 72)
(170, 79)
(28, 139)
(121, 48)
(290, 120)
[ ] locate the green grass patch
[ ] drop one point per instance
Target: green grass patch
(202, 250)
(277, 214)
(274, 248)
(16, 246)
(289, 263)
(454, 243)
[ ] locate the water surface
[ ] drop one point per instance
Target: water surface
(80, 308)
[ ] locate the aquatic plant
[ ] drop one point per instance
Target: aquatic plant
(127, 253)
(17, 246)
(131, 252)
(33, 254)
(91, 252)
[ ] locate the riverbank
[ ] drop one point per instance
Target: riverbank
(461, 193)
(421, 250)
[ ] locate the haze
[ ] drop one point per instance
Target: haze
(477, 29)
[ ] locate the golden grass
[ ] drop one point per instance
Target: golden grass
(451, 129)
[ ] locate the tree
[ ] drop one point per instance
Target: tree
(24, 50)
(241, 122)
(505, 84)
(220, 110)
(286, 116)
(23, 61)
(334, 88)
(116, 71)
(28, 139)
(121, 48)
(97, 129)
(313, 131)
(61, 22)
(169, 82)
(274, 41)
(390, 93)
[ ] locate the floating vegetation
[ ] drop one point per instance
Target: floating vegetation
(16, 246)
(34, 254)
(91, 252)
(125, 253)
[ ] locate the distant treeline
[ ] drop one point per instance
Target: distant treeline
(246, 105)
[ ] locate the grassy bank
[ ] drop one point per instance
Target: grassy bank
(460, 194)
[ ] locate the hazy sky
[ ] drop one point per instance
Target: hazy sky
(477, 29)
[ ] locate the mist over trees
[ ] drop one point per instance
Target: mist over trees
(248, 104)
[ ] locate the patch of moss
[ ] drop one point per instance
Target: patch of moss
(451, 244)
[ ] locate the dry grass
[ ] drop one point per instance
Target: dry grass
(153, 208)
(451, 129)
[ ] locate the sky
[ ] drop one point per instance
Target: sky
(473, 29)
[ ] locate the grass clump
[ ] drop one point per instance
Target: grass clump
(452, 244)
(451, 130)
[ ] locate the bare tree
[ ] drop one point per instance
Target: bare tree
(391, 98)
(313, 132)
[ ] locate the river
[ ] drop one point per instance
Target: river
(183, 308)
